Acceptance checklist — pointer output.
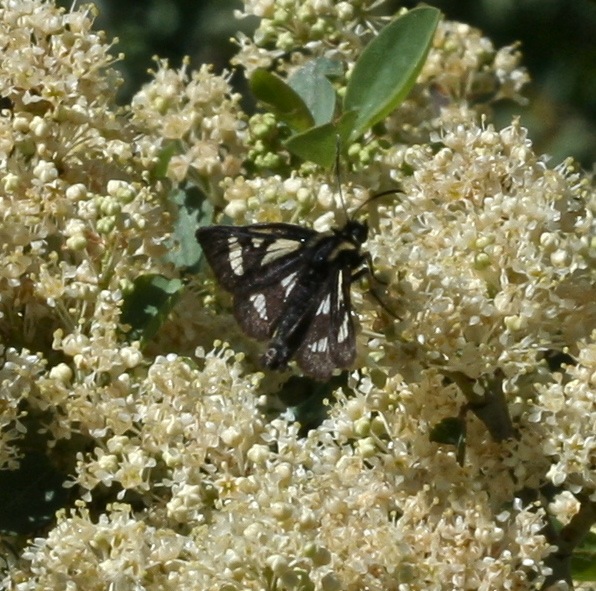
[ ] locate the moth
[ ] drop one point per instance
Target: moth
(291, 286)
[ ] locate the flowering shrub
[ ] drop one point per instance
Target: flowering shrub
(453, 454)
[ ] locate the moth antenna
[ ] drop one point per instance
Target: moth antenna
(338, 175)
(396, 191)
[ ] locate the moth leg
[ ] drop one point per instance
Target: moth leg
(360, 274)
(369, 270)
(382, 303)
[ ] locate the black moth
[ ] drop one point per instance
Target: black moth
(291, 286)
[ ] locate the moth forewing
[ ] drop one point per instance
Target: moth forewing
(241, 256)
(260, 288)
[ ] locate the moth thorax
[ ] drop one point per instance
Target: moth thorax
(346, 253)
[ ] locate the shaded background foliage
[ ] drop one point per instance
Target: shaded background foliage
(558, 41)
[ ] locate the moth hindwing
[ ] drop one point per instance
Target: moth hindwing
(291, 285)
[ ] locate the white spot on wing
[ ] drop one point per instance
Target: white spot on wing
(319, 346)
(235, 256)
(340, 293)
(324, 306)
(344, 329)
(289, 282)
(343, 333)
(279, 248)
(260, 304)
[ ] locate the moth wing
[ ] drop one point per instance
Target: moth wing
(329, 342)
(246, 258)
(258, 310)
(260, 265)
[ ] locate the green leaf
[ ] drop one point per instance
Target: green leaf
(147, 305)
(311, 82)
(388, 67)
(307, 398)
(319, 144)
(583, 560)
(283, 100)
(448, 431)
(193, 211)
(451, 431)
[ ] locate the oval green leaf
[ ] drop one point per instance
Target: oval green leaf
(146, 307)
(193, 210)
(388, 67)
(319, 144)
(311, 82)
(283, 100)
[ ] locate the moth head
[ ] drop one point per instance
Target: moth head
(356, 232)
